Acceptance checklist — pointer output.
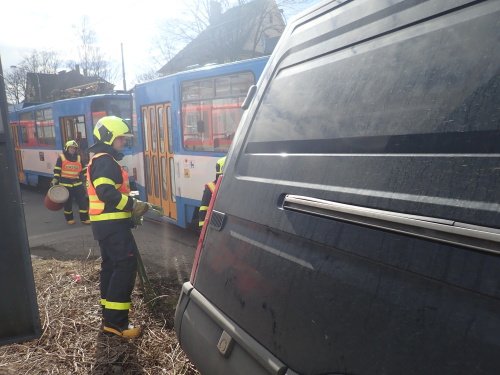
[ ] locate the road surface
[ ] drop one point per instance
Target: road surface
(165, 248)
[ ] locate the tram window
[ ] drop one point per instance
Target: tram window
(222, 86)
(240, 83)
(81, 134)
(220, 112)
(96, 116)
(147, 168)
(233, 85)
(73, 127)
(45, 127)
(161, 129)
(164, 176)
(196, 90)
(226, 115)
(196, 126)
(154, 134)
(190, 91)
(27, 125)
(156, 177)
(169, 127)
(146, 127)
(113, 107)
(206, 89)
(172, 179)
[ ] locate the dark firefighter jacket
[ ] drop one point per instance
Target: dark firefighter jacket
(205, 202)
(106, 167)
(67, 181)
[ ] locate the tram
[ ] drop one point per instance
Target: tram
(182, 124)
(186, 122)
(40, 131)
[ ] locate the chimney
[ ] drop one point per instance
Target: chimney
(77, 68)
(215, 12)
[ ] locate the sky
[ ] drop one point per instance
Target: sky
(52, 25)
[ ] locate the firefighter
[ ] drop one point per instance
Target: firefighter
(70, 173)
(111, 214)
(209, 190)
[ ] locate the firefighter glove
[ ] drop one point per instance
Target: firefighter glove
(139, 208)
(54, 181)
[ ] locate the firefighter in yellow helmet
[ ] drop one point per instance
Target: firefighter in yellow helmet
(111, 212)
(70, 172)
(209, 190)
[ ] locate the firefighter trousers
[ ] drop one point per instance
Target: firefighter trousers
(76, 193)
(117, 278)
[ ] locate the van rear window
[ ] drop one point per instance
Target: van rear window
(429, 95)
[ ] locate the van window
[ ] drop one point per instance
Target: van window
(387, 97)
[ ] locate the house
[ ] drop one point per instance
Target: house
(43, 87)
(242, 32)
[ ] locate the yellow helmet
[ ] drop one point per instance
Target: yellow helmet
(219, 167)
(108, 128)
(70, 143)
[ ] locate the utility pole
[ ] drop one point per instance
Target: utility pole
(123, 70)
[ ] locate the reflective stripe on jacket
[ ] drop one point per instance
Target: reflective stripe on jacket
(211, 186)
(71, 169)
(96, 206)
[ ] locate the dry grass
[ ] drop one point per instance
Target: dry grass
(71, 341)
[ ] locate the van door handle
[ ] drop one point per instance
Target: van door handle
(448, 231)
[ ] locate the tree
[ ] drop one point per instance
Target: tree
(92, 60)
(200, 15)
(42, 62)
(164, 49)
(15, 85)
(36, 62)
(195, 17)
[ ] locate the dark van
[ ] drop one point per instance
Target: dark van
(356, 229)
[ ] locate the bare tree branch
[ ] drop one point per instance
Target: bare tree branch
(15, 85)
(92, 60)
(36, 62)
(199, 15)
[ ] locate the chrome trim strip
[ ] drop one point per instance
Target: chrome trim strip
(449, 231)
(247, 342)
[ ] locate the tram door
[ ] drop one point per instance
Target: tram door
(17, 150)
(73, 128)
(159, 158)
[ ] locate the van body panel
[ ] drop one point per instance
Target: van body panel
(359, 293)
(235, 352)
(389, 106)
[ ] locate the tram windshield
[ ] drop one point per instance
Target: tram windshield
(211, 111)
(113, 107)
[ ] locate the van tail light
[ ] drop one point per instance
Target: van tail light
(204, 231)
